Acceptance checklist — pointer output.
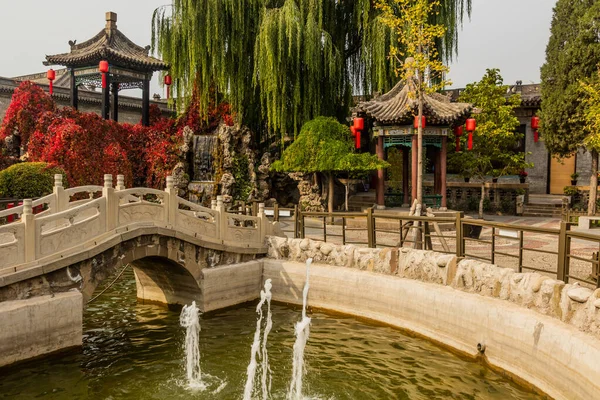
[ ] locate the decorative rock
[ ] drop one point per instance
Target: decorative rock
(304, 244)
(597, 303)
(326, 249)
(579, 294)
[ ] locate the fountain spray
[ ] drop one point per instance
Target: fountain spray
(302, 331)
(265, 296)
(189, 319)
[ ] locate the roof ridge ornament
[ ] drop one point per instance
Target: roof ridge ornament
(111, 21)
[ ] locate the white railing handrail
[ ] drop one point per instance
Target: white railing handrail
(119, 207)
(83, 189)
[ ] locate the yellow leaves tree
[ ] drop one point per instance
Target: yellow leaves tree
(591, 115)
(417, 53)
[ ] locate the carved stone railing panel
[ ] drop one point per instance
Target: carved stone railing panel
(70, 228)
(12, 245)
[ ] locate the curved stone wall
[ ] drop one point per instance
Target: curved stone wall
(528, 325)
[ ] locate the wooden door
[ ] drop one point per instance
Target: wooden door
(560, 174)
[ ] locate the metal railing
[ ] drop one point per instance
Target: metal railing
(505, 245)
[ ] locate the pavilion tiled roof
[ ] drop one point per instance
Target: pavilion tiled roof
(398, 107)
(109, 44)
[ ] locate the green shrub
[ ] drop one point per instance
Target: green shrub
(29, 180)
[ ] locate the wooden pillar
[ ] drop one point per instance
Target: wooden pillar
(380, 200)
(74, 90)
(436, 172)
(405, 178)
(114, 87)
(443, 170)
(106, 98)
(146, 102)
(414, 167)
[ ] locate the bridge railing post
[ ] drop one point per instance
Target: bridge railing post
(171, 203)
(222, 222)
(61, 200)
(112, 203)
(29, 221)
(264, 222)
(120, 183)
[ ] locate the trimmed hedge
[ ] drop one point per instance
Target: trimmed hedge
(29, 180)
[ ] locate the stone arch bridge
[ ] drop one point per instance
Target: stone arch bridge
(52, 261)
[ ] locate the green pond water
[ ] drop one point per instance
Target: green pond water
(134, 351)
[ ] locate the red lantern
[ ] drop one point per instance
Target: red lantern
(458, 132)
(51, 75)
(416, 123)
(103, 67)
(168, 82)
(471, 124)
(535, 124)
(359, 124)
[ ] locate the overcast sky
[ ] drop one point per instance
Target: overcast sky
(507, 34)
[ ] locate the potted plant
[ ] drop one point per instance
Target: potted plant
(570, 191)
(574, 177)
(522, 176)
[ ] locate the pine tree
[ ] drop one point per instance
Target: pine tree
(572, 56)
(281, 63)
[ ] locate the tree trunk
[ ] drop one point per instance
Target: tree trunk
(593, 184)
(481, 200)
(346, 195)
(330, 193)
(420, 153)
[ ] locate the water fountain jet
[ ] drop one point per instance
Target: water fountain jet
(265, 296)
(302, 331)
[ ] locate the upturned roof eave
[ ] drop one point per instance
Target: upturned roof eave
(105, 46)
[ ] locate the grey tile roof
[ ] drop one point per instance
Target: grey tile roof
(399, 105)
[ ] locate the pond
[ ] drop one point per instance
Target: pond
(135, 351)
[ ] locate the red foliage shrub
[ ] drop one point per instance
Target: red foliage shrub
(29, 102)
(87, 146)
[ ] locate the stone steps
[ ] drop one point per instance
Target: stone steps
(542, 210)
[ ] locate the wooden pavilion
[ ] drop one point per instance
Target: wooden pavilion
(392, 117)
(112, 61)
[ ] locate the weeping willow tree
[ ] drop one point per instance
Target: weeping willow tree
(280, 63)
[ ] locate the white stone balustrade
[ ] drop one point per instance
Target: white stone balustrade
(79, 217)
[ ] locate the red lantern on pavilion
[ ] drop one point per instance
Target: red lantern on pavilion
(458, 132)
(103, 67)
(471, 126)
(168, 82)
(416, 122)
(51, 75)
(535, 125)
(359, 124)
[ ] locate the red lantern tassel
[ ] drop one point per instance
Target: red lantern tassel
(358, 139)
(104, 80)
(457, 144)
(168, 90)
(51, 88)
(470, 141)
(536, 136)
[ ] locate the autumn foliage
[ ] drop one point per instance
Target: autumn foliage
(87, 146)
